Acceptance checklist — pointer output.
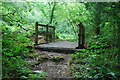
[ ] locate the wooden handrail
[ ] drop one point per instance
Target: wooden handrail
(46, 26)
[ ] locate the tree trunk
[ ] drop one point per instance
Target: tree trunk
(52, 13)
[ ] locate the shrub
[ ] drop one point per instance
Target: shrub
(14, 51)
(96, 62)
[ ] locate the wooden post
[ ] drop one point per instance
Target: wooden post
(36, 33)
(54, 34)
(47, 34)
(81, 36)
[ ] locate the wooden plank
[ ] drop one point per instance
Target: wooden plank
(36, 33)
(47, 35)
(59, 46)
(44, 33)
(54, 34)
(45, 25)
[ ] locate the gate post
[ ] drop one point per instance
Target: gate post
(46, 34)
(54, 33)
(81, 36)
(36, 33)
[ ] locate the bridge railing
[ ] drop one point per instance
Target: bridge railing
(47, 33)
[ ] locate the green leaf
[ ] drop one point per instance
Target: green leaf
(9, 54)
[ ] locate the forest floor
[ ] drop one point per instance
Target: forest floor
(56, 65)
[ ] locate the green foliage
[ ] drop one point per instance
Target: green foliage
(97, 63)
(14, 43)
(67, 37)
(37, 75)
(34, 55)
(18, 23)
(14, 67)
(41, 76)
(14, 51)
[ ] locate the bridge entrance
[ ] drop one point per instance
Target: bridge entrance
(59, 45)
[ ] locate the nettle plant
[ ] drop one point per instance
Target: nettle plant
(99, 61)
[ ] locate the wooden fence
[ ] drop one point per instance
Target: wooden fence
(47, 33)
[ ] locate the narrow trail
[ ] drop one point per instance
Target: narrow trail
(56, 65)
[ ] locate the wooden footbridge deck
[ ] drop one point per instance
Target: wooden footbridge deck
(59, 46)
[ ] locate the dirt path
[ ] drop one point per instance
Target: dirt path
(56, 65)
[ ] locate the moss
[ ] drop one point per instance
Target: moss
(57, 58)
(43, 58)
(38, 75)
(71, 61)
(34, 55)
(34, 63)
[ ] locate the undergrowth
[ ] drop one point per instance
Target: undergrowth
(99, 61)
